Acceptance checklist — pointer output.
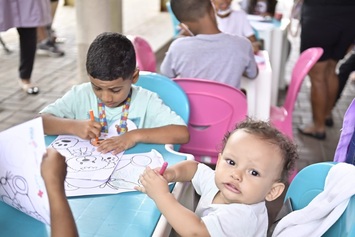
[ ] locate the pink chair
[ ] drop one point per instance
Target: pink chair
(215, 108)
(145, 56)
(281, 117)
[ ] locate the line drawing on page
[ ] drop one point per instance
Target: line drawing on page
(16, 194)
(21, 185)
(88, 170)
(91, 172)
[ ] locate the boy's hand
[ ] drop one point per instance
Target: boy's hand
(53, 168)
(117, 144)
(154, 185)
(87, 129)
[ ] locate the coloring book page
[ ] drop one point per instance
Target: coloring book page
(91, 172)
(21, 184)
(88, 171)
(131, 166)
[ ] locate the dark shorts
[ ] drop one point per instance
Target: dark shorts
(331, 28)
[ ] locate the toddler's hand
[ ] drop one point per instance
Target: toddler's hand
(169, 174)
(153, 184)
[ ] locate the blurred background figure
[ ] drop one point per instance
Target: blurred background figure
(327, 24)
(259, 7)
(47, 38)
(234, 22)
(346, 67)
(26, 16)
(283, 9)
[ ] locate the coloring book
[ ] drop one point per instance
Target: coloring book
(21, 185)
(91, 172)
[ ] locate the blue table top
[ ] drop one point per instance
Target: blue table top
(124, 214)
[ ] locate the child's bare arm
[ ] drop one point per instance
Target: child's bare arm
(156, 186)
(53, 171)
(181, 172)
(184, 221)
(85, 129)
(170, 134)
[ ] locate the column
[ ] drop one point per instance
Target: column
(93, 18)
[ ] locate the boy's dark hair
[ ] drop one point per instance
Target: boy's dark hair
(111, 56)
(190, 10)
(266, 131)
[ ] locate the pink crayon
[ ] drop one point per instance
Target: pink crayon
(163, 168)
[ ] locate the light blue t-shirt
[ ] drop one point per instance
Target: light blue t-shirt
(146, 110)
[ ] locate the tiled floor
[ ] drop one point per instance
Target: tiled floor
(57, 75)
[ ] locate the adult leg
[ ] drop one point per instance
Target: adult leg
(28, 42)
(318, 100)
(44, 32)
(54, 6)
(46, 36)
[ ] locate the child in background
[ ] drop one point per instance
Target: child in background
(234, 22)
(111, 66)
(264, 8)
(53, 171)
(207, 53)
(253, 167)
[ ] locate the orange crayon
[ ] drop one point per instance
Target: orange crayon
(92, 118)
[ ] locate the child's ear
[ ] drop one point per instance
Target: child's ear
(219, 157)
(275, 191)
(135, 76)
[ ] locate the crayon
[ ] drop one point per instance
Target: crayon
(92, 118)
(163, 168)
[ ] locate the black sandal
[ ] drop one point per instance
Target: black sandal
(329, 122)
(316, 135)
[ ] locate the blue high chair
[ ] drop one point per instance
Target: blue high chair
(307, 184)
(169, 91)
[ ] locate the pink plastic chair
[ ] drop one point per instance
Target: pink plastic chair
(281, 117)
(215, 108)
(145, 56)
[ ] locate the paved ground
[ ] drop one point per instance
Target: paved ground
(54, 76)
(57, 75)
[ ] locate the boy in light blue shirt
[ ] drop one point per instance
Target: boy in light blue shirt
(111, 66)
